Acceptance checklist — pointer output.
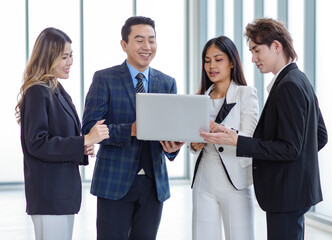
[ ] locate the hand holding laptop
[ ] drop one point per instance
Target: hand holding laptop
(133, 130)
(214, 127)
(197, 146)
(170, 146)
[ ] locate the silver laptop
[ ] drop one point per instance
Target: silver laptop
(171, 117)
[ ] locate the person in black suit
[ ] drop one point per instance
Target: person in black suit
(288, 136)
(52, 144)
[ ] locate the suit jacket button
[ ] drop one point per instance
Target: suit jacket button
(220, 149)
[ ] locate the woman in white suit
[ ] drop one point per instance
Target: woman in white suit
(222, 183)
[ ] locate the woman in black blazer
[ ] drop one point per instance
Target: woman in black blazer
(52, 144)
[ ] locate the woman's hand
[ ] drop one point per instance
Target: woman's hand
(214, 127)
(197, 146)
(226, 136)
(97, 133)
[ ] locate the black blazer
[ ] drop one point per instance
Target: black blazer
(285, 145)
(53, 149)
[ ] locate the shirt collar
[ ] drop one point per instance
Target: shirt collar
(269, 87)
(133, 71)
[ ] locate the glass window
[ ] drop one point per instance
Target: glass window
(229, 18)
(323, 89)
(248, 66)
(66, 19)
(12, 64)
(211, 15)
(296, 27)
(271, 8)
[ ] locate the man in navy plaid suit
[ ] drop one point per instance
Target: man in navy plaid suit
(130, 176)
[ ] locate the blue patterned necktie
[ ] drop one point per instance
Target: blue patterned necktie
(140, 87)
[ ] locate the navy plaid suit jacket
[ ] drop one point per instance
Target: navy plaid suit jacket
(112, 97)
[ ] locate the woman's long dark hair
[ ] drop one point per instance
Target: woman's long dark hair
(227, 46)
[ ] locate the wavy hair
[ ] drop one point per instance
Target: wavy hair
(266, 30)
(46, 55)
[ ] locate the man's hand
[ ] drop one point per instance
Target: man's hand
(89, 150)
(133, 130)
(226, 136)
(170, 146)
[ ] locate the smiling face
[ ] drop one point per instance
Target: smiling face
(141, 46)
(217, 65)
(63, 67)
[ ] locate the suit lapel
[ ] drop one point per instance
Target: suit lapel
(281, 75)
(224, 110)
(226, 107)
(153, 82)
(128, 84)
(67, 104)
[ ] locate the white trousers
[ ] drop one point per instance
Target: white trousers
(219, 210)
(53, 227)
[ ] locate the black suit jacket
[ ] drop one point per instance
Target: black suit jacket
(52, 149)
(285, 145)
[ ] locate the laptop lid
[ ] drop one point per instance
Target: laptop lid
(171, 117)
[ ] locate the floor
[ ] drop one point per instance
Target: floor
(175, 223)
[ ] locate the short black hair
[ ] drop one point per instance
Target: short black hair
(136, 20)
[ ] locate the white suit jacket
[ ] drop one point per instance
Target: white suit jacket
(240, 112)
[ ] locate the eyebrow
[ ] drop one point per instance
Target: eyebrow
(68, 53)
(217, 55)
(140, 36)
(253, 48)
